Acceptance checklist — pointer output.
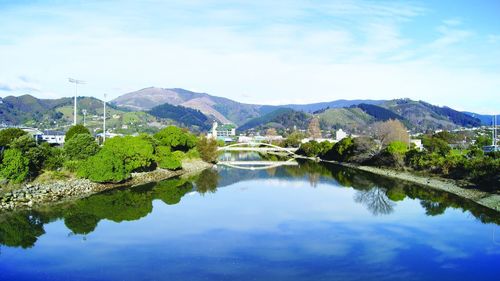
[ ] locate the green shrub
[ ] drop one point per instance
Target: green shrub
(72, 165)
(104, 167)
(137, 153)
(176, 138)
(119, 157)
(168, 160)
(193, 154)
(397, 147)
(15, 166)
(10, 134)
(341, 150)
(55, 159)
(80, 147)
(76, 130)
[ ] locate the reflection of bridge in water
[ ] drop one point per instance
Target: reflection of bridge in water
(258, 147)
(258, 164)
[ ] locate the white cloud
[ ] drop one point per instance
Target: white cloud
(252, 52)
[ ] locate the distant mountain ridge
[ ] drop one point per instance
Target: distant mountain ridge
(200, 109)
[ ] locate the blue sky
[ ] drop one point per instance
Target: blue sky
(274, 52)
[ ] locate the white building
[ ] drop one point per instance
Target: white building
(53, 137)
(225, 132)
(340, 134)
(418, 144)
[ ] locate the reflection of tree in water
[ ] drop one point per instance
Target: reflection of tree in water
(375, 200)
(433, 208)
(171, 191)
(207, 181)
(20, 230)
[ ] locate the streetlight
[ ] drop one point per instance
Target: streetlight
(76, 82)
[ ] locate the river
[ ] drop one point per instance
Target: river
(297, 222)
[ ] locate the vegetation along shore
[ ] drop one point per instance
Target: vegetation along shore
(36, 173)
(467, 172)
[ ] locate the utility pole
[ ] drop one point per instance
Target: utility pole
(104, 121)
(76, 82)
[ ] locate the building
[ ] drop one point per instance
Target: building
(340, 134)
(418, 144)
(225, 132)
(53, 137)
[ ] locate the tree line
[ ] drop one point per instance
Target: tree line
(389, 147)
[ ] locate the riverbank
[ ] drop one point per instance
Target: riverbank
(485, 199)
(34, 194)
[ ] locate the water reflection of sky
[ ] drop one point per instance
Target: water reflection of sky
(266, 229)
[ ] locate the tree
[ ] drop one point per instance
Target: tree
(15, 166)
(75, 130)
(271, 132)
(436, 145)
(10, 134)
(176, 138)
(80, 147)
(390, 131)
(483, 140)
(294, 139)
(207, 149)
(314, 130)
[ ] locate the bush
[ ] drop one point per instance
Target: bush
(176, 138)
(436, 145)
(80, 147)
(119, 157)
(341, 150)
(104, 167)
(72, 165)
(397, 147)
(10, 134)
(168, 160)
(193, 154)
(137, 153)
(15, 166)
(76, 130)
(55, 159)
(207, 149)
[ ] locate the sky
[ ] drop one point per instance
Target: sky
(444, 52)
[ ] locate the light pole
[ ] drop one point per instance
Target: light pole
(76, 82)
(104, 121)
(84, 112)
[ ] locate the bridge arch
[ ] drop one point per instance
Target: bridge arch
(278, 148)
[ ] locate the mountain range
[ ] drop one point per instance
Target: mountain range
(199, 110)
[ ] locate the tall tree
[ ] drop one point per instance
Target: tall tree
(390, 131)
(313, 130)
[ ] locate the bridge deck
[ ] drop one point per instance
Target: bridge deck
(256, 149)
(259, 163)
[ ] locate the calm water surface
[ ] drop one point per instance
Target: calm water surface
(307, 222)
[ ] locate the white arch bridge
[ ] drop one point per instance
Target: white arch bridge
(259, 147)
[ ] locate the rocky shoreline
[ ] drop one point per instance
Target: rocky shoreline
(485, 199)
(35, 194)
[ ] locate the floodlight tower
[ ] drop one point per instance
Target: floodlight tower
(84, 112)
(76, 82)
(104, 121)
